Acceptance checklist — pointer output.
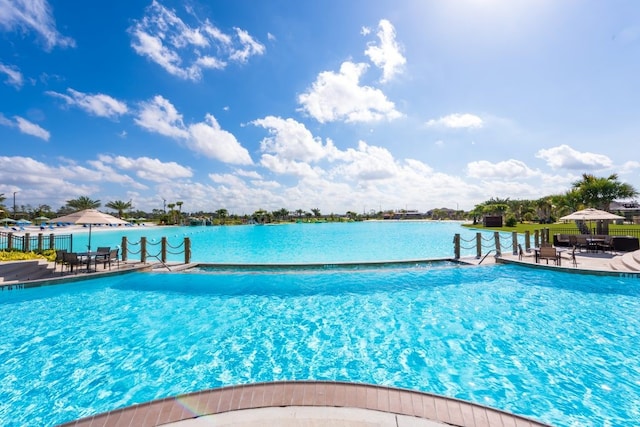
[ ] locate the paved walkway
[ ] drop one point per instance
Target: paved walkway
(307, 404)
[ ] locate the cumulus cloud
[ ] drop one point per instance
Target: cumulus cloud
(508, 169)
(26, 127)
(211, 140)
(388, 54)
(185, 51)
(566, 157)
(291, 140)
(160, 116)
(339, 96)
(207, 138)
(33, 15)
(100, 105)
(457, 121)
(14, 76)
(366, 163)
(148, 168)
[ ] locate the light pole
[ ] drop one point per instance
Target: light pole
(14, 204)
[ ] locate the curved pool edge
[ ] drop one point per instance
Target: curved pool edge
(321, 394)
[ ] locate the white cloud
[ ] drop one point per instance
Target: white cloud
(208, 138)
(32, 129)
(248, 174)
(291, 140)
(338, 96)
(456, 121)
(14, 76)
(283, 166)
(388, 55)
(160, 116)
(98, 105)
(630, 167)
(248, 47)
(148, 168)
(566, 157)
(366, 163)
(33, 15)
(506, 170)
(184, 51)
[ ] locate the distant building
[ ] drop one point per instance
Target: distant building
(629, 210)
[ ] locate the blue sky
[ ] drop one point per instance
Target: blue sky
(360, 105)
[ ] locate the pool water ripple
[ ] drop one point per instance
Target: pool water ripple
(541, 344)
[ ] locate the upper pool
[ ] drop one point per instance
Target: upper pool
(557, 347)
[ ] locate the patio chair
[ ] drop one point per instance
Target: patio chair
(548, 253)
(59, 260)
(572, 257)
(107, 258)
(606, 244)
(102, 256)
(71, 259)
(582, 242)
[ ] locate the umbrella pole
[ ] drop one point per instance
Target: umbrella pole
(89, 247)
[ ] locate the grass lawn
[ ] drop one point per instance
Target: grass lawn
(558, 227)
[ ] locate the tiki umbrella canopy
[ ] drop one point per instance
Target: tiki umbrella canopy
(591, 214)
(89, 217)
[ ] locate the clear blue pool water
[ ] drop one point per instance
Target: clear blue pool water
(561, 348)
(297, 243)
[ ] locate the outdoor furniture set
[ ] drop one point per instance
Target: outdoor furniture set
(77, 260)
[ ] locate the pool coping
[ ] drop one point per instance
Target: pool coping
(327, 394)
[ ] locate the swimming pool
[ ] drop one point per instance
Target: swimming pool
(557, 347)
(298, 243)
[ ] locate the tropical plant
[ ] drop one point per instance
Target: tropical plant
(83, 202)
(316, 212)
(120, 206)
(222, 214)
(600, 192)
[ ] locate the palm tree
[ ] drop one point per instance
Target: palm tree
(222, 214)
(171, 212)
(120, 206)
(600, 192)
(316, 212)
(179, 203)
(82, 203)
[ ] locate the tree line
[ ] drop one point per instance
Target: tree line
(588, 191)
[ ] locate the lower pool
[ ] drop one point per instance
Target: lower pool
(557, 347)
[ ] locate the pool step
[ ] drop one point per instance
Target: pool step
(627, 262)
